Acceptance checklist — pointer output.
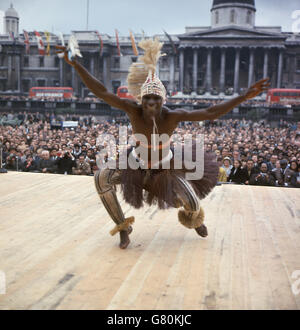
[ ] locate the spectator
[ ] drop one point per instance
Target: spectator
(46, 165)
(236, 175)
(222, 172)
(29, 165)
(279, 172)
(289, 172)
(295, 180)
(227, 166)
(249, 171)
(65, 163)
(263, 178)
(272, 163)
(82, 167)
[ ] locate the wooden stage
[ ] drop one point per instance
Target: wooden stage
(56, 251)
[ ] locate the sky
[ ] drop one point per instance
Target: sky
(137, 15)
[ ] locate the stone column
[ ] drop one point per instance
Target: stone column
(18, 72)
(181, 69)
(208, 70)
(251, 67)
(266, 63)
(9, 72)
(172, 73)
(222, 72)
(61, 72)
(105, 70)
(195, 70)
(74, 80)
(237, 70)
(92, 64)
(280, 65)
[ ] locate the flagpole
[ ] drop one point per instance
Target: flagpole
(87, 14)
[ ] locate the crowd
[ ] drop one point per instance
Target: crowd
(248, 152)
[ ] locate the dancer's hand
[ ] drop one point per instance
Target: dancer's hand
(63, 50)
(259, 87)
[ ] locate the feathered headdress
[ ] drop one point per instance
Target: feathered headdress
(142, 78)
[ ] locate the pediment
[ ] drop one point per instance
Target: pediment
(230, 31)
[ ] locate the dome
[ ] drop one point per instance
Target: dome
(244, 2)
(11, 12)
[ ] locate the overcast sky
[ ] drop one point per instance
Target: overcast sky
(137, 15)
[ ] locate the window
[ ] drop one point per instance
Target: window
(164, 63)
(249, 17)
(56, 62)
(298, 64)
(217, 17)
(133, 59)
(25, 85)
(42, 62)
(26, 61)
(116, 63)
(2, 85)
(41, 83)
(232, 16)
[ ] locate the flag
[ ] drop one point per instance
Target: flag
(40, 43)
(61, 37)
(47, 34)
(101, 42)
(135, 50)
(26, 41)
(12, 36)
(172, 42)
(118, 43)
(143, 33)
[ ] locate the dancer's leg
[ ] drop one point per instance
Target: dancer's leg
(192, 216)
(105, 180)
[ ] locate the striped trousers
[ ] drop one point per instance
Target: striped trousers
(106, 179)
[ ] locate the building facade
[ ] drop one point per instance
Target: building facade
(230, 54)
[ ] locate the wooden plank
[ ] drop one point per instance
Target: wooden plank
(56, 251)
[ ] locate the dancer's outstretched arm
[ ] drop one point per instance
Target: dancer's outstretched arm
(97, 87)
(221, 109)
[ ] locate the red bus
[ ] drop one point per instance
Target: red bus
(55, 92)
(122, 92)
(283, 96)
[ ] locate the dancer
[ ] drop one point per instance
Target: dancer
(148, 115)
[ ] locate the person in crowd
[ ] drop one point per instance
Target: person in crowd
(295, 180)
(289, 172)
(222, 172)
(65, 163)
(263, 178)
(279, 172)
(236, 174)
(82, 167)
(248, 171)
(272, 163)
(29, 165)
(227, 166)
(46, 165)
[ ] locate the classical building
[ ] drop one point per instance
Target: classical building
(231, 54)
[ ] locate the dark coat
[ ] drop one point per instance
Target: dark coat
(65, 164)
(236, 175)
(294, 182)
(247, 175)
(262, 179)
(48, 164)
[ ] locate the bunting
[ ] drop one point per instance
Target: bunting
(118, 43)
(101, 42)
(172, 42)
(26, 41)
(134, 48)
(12, 35)
(40, 43)
(47, 34)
